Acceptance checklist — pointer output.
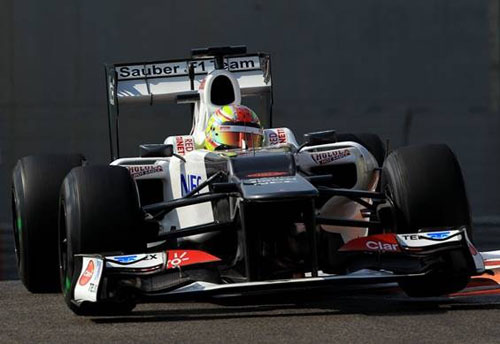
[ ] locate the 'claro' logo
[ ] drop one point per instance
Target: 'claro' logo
(87, 275)
(381, 246)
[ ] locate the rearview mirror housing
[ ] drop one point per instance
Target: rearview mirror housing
(156, 151)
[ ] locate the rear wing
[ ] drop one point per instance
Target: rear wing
(148, 82)
(168, 80)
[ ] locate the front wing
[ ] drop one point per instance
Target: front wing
(165, 275)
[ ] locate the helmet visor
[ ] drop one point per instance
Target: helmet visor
(233, 136)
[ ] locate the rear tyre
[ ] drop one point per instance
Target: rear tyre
(36, 181)
(426, 186)
(99, 213)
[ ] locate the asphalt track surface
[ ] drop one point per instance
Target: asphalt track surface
(44, 318)
(367, 319)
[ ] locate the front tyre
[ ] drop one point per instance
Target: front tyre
(36, 181)
(426, 187)
(99, 213)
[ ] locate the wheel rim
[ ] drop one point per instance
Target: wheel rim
(17, 226)
(63, 251)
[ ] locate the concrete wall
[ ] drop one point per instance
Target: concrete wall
(349, 65)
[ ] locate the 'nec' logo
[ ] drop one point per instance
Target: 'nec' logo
(189, 182)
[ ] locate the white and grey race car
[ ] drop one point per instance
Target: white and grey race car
(182, 222)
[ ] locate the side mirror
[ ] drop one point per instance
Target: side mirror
(320, 137)
(156, 151)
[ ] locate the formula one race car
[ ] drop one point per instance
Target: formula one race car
(254, 212)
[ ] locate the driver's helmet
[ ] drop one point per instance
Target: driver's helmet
(233, 126)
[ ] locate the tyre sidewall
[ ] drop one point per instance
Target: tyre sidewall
(36, 182)
(426, 186)
(95, 220)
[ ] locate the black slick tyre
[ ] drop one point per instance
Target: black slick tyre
(99, 213)
(36, 181)
(426, 187)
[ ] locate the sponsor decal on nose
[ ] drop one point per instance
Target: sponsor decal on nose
(87, 274)
(381, 246)
(438, 235)
(179, 258)
(125, 259)
(378, 242)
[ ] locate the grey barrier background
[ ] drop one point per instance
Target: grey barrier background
(414, 72)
